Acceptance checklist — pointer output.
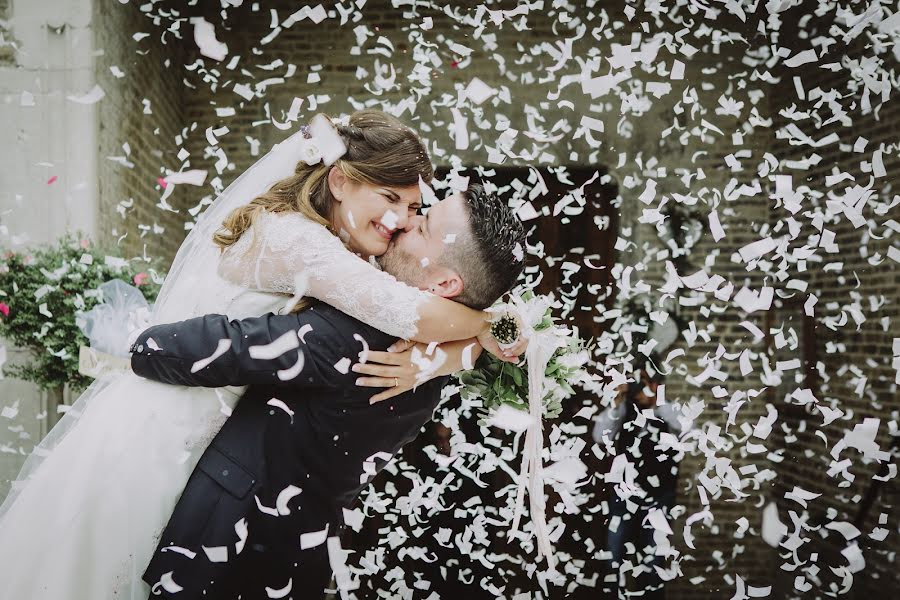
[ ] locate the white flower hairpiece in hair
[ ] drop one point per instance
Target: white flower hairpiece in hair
(321, 142)
(310, 153)
(329, 143)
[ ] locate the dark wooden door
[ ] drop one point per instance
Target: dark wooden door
(575, 265)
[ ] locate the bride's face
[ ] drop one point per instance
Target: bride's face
(367, 216)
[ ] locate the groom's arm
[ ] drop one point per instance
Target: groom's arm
(213, 351)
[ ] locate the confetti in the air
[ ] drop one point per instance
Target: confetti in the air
(221, 348)
(709, 192)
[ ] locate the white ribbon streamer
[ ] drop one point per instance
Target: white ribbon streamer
(541, 346)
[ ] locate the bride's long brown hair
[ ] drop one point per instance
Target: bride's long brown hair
(380, 151)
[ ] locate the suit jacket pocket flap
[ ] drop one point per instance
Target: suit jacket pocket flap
(234, 478)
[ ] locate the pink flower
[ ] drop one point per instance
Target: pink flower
(140, 279)
(4, 308)
(85, 243)
(52, 179)
(162, 182)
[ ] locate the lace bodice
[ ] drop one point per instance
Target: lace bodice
(282, 251)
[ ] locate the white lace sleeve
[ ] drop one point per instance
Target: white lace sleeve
(279, 247)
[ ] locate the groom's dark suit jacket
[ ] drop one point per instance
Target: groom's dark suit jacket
(263, 449)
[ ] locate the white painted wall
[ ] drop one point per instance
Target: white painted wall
(52, 137)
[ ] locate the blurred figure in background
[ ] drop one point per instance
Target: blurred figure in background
(647, 474)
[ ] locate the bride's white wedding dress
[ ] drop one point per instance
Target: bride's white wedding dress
(87, 521)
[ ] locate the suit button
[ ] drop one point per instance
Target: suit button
(140, 348)
(225, 472)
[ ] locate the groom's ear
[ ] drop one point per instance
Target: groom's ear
(448, 285)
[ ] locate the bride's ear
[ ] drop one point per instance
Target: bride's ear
(337, 183)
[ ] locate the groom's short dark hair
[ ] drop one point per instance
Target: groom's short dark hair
(490, 256)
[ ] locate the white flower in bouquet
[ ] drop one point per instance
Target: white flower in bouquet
(521, 316)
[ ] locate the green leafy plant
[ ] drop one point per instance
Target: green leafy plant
(40, 293)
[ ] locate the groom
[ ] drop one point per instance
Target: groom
(254, 517)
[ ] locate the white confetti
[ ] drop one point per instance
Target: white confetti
(190, 177)
(265, 509)
(757, 249)
(240, 528)
(801, 58)
(10, 412)
(280, 404)
(285, 496)
(284, 343)
(715, 228)
(460, 129)
(293, 371)
(168, 584)
(318, 14)
(343, 366)
(773, 530)
(179, 550)
(467, 360)
(222, 347)
(205, 38)
(92, 97)
(390, 219)
(510, 419)
(848, 530)
(313, 538)
(478, 91)
(216, 554)
(281, 592)
(752, 301)
(301, 333)
(800, 496)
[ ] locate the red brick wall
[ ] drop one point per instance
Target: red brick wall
(845, 353)
(152, 80)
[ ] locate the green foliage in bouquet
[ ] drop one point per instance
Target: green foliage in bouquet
(496, 382)
(40, 292)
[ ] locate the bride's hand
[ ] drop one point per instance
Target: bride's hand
(510, 355)
(392, 370)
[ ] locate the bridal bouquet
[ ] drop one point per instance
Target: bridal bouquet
(500, 384)
(520, 399)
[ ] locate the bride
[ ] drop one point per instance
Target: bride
(84, 518)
